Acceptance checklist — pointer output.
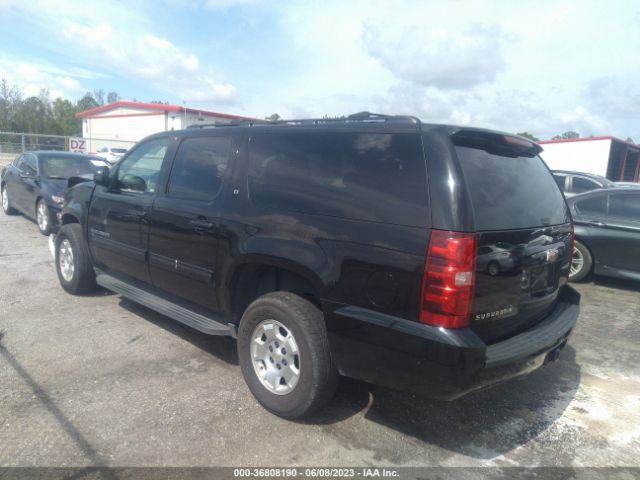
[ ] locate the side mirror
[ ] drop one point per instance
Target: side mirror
(101, 177)
(132, 182)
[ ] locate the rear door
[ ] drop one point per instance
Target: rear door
(27, 187)
(521, 217)
(184, 223)
(119, 214)
(613, 223)
(12, 178)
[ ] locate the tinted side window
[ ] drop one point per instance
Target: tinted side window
(16, 162)
(199, 167)
(625, 206)
(29, 164)
(364, 176)
(560, 180)
(593, 206)
(581, 184)
(139, 172)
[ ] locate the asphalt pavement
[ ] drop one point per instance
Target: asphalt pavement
(99, 380)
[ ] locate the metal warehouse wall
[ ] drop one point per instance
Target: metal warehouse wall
(591, 156)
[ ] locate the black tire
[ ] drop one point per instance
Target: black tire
(317, 378)
(47, 220)
(6, 206)
(493, 268)
(83, 279)
(587, 264)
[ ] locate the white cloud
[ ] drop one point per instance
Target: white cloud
(151, 58)
(111, 39)
(31, 78)
(439, 57)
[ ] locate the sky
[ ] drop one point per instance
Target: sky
(539, 66)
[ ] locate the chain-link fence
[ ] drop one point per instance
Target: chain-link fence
(12, 143)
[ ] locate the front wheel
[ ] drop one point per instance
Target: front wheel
(43, 217)
(581, 262)
(73, 262)
(284, 355)
(6, 205)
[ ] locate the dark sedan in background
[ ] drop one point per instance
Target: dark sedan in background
(574, 183)
(607, 233)
(35, 183)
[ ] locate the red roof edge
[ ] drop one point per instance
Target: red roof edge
(155, 106)
(586, 139)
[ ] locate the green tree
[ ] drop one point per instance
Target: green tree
(528, 135)
(10, 98)
(64, 116)
(274, 117)
(565, 135)
(112, 97)
(98, 96)
(87, 102)
(32, 116)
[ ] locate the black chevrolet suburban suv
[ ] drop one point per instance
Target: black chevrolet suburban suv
(346, 246)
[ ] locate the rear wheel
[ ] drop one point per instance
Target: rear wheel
(581, 262)
(284, 354)
(43, 217)
(493, 268)
(73, 262)
(6, 204)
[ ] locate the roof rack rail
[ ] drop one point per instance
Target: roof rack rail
(353, 118)
(233, 123)
(367, 117)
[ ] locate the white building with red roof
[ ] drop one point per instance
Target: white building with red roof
(608, 156)
(124, 122)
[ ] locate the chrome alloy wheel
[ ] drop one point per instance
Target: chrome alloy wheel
(275, 357)
(577, 263)
(65, 260)
(42, 216)
(5, 199)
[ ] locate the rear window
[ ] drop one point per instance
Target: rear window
(510, 192)
(363, 176)
(65, 167)
(625, 206)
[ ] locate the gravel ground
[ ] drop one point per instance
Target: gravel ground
(99, 380)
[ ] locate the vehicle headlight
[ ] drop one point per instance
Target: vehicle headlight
(57, 200)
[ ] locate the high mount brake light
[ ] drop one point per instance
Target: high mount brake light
(448, 279)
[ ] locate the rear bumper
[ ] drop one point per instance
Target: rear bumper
(441, 363)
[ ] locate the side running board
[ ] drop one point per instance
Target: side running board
(205, 324)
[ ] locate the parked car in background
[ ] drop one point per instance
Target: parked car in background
(573, 183)
(111, 154)
(497, 258)
(607, 233)
(35, 183)
(337, 246)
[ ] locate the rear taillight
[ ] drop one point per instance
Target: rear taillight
(448, 279)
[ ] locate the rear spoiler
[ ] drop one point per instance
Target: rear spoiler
(496, 143)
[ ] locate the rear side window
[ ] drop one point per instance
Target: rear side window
(510, 192)
(363, 176)
(593, 206)
(199, 167)
(625, 206)
(560, 179)
(581, 184)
